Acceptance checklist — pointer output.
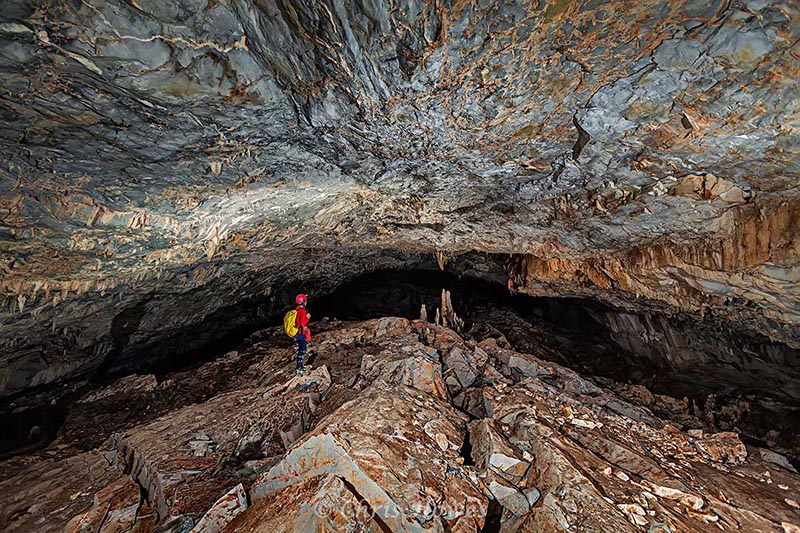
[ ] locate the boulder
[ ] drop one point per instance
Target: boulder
(223, 511)
(463, 365)
(417, 367)
(175, 456)
(510, 498)
(395, 449)
(723, 447)
(491, 452)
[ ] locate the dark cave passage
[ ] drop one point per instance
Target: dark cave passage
(740, 381)
(680, 357)
(488, 309)
(671, 353)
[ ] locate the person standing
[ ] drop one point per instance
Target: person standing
(303, 336)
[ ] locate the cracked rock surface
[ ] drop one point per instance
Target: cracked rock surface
(346, 448)
(213, 156)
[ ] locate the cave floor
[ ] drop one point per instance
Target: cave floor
(157, 451)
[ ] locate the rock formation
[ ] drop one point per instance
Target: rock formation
(623, 176)
(402, 426)
(211, 157)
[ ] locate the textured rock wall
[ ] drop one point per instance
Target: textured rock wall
(167, 162)
(401, 426)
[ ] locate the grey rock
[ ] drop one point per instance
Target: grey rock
(170, 167)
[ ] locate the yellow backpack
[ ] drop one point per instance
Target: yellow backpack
(289, 323)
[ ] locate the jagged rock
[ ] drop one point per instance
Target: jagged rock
(45, 495)
(491, 452)
(223, 511)
(320, 503)
(640, 396)
(122, 387)
(115, 509)
(465, 367)
(555, 451)
(532, 494)
(510, 498)
(364, 332)
(162, 455)
(376, 445)
(317, 380)
(409, 364)
(776, 459)
(723, 447)
(475, 403)
(442, 339)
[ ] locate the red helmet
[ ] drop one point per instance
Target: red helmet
(300, 299)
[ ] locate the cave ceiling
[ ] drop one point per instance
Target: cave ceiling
(164, 160)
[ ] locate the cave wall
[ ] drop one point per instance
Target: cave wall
(166, 161)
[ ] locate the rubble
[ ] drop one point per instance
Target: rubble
(174, 457)
(122, 387)
(223, 511)
(115, 508)
(45, 494)
(384, 448)
(371, 439)
(723, 447)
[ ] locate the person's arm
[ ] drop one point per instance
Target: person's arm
(302, 319)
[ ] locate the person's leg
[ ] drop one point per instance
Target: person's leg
(301, 349)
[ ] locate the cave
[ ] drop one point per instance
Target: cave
(550, 251)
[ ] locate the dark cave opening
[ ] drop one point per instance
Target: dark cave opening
(740, 381)
(585, 335)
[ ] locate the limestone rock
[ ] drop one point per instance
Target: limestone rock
(413, 366)
(123, 386)
(462, 366)
(377, 447)
(491, 452)
(510, 498)
(364, 443)
(320, 503)
(723, 447)
(162, 455)
(223, 511)
(47, 494)
(776, 458)
(115, 509)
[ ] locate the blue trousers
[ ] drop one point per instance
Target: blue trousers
(302, 346)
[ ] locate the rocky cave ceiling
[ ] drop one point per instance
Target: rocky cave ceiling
(167, 161)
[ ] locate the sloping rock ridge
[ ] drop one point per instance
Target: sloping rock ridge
(401, 426)
(215, 156)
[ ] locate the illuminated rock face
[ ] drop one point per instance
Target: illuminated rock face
(173, 171)
(346, 447)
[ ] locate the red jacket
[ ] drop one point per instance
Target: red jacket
(301, 322)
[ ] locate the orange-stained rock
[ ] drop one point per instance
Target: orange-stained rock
(174, 458)
(114, 511)
(223, 511)
(723, 447)
(395, 449)
(45, 495)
